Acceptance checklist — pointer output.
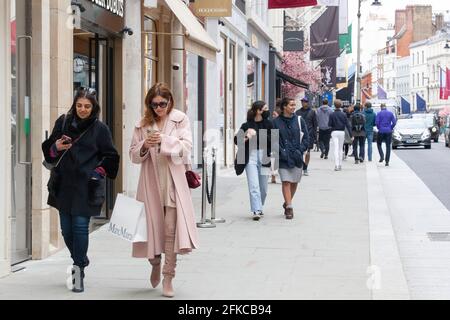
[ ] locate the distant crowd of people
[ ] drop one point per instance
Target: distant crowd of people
(298, 132)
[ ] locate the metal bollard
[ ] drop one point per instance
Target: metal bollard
(214, 190)
(204, 223)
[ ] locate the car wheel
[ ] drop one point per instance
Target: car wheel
(436, 140)
(428, 147)
(395, 148)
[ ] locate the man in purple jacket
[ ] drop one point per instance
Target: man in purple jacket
(385, 123)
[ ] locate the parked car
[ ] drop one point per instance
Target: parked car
(432, 123)
(411, 132)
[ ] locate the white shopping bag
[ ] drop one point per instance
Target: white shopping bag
(128, 220)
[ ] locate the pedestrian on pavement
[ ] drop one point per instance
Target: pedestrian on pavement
(292, 143)
(385, 122)
(162, 145)
(275, 114)
(323, 117)
(254, 137)
(309, 115)
(358, 122)
(82, 152)
(370, 123)
(338, 123)
(348, 111)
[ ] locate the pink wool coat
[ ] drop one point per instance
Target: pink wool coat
(176, 143)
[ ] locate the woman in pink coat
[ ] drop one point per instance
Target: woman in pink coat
(162, 144)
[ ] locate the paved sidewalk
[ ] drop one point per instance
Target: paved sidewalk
(324, 253)
(416, 211)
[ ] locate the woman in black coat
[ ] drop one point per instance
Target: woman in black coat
(254, 142)
(83, 154)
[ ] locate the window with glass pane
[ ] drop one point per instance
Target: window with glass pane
(150, 53)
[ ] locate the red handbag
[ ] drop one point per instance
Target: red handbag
(193, 179)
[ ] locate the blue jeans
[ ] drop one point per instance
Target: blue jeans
(369, 137)
(257, 178)
(75, 231)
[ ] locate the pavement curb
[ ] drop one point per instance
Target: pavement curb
(387, 279)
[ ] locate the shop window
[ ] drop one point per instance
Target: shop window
(252, 80)
(150, 53)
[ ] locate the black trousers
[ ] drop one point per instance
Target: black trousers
(387, 138)
(324, 141)
(361, 143)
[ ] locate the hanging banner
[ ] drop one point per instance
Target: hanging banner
(213, 8)
(293, 40)
(406, 106)
(324, 35)
(328, 69)
(421, 104)
(345, 40)
(282, 4)
(341, 69)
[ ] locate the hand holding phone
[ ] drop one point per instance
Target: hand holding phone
(64, 143)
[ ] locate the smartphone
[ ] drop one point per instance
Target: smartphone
(67, 140)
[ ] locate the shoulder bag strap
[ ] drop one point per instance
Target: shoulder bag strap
(79, 138)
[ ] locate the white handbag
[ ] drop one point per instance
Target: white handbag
(129, 221)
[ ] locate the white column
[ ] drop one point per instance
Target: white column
(5, 138)
(212, 88)
(40, 99)
(132, 88)
(177, 60)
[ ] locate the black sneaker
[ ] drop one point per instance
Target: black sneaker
(387, 164)
(321, 156)
(326, 157)
(381, 160)
(256, 216)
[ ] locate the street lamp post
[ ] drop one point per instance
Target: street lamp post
(428, 92)
(358, 56)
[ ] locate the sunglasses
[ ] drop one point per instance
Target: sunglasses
(89, 91)
(162, 104)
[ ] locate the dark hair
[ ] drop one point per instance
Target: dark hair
(162, 90)
(91, 95)
(257, 105)
(368, 105)
(284, 103)
(325, 101)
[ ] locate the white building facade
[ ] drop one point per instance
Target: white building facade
(419, 75)
(438, 58)
(402, 79)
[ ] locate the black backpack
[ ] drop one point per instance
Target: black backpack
(358, 121)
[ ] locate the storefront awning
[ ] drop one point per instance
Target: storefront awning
(197, 39)
(292, 81)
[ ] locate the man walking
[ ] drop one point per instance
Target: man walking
(358, 122)
(385, 122)
(323, 117)
(309, 115)
(370, 123)
(338, 123)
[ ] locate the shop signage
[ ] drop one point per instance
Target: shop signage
(254, 41)
(293, 40)
(114, 6)
(103, 16)
(213, 8)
